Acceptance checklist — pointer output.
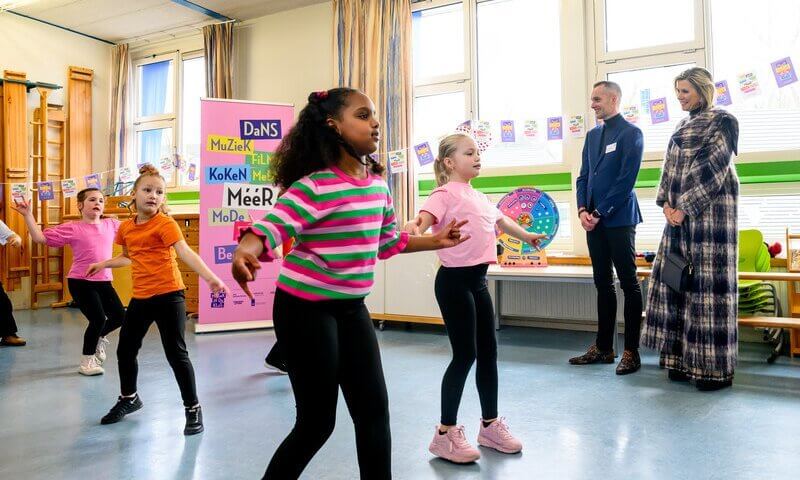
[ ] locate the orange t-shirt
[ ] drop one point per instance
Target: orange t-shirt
(149, 245)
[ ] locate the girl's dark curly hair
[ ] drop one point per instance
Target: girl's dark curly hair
(312, 145)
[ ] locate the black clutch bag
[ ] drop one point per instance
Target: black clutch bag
(677, 271)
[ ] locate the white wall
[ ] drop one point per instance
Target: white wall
(45, 53)
(285, 56)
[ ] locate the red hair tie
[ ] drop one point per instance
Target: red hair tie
(321, 95)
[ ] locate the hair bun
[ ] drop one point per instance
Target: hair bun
(148, 169)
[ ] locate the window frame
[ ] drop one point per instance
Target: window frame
(603, 55)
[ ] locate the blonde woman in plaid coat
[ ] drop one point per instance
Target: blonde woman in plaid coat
(696, 331)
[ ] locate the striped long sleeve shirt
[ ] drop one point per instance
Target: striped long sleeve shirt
(342, 226)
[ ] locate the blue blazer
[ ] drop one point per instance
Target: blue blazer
(608, 172)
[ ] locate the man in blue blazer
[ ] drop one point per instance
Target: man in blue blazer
(609, 212)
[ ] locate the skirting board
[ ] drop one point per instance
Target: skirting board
(230, 326)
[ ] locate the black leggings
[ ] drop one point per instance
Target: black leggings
(466, 306)
(169, 313)
(329, 344)
(7, 324)
(100, 304)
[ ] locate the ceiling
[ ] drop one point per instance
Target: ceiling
(121, 21)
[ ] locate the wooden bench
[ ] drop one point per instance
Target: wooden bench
(777, 323)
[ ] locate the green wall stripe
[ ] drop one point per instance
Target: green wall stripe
(749, 173)
(550, 182)
(183, 198)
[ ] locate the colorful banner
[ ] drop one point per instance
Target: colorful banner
(555, 128)
(784, 72)
(398, 162)
(577, 126)
(482, 131)
(45, 190)
(92, 181)
(723, 93)
(507, 131)
(748, 84)
(631, 113)
(125, 175)
(644, 100)
(228, 194)
(69, 187)
(530, 130)
(658, 110)
(19, 191)
(424, 154)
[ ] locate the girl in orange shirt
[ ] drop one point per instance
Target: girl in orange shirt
(150, 241)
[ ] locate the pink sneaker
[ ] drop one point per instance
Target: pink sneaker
(497, 436)
(453, 446)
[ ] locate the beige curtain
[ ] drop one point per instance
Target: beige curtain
(119, 122)
(218, 44)
(372, 52)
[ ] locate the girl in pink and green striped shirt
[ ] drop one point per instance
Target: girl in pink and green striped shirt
(339, 210)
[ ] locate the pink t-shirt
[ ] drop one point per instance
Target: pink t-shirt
(91, 243)
(459, 201)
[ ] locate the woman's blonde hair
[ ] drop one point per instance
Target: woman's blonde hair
(148, 170)
(702, 81)
(447, 147)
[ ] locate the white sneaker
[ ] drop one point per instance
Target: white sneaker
(90, 366)
(100, 351)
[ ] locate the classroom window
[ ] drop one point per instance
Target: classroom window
(511, 85)
(167, 130)
(768, 120)
(634, 24)
(439, 43)
(639, 87)
(193, 89)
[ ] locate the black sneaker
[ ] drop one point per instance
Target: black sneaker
(712, 385)
(123, 407)
(194, 421)
(276, 365)
(677, 375)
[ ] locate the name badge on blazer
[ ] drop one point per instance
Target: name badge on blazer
(611, 147)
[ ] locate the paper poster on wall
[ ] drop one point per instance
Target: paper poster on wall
(19, 191)
(784, 72)
(658, 110)
(482, 130)
(191, 172)
(69, 187)
(631, 113)
(555, 128)
(229, 193)
(45, 190)
(125, 175)
(92, 181)
(398, 162)
(530, 130)
(748, 84)
(577, 126)
(644, 100)
(507, 131)
(723, 93)
(424, 154)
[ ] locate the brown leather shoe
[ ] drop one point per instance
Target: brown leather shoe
(593, 355)
(630, 362)
(13, 341)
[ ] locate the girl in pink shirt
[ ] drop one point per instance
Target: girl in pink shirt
(463, 296)
(91, 239)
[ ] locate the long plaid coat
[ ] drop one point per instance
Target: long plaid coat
(696, 331)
